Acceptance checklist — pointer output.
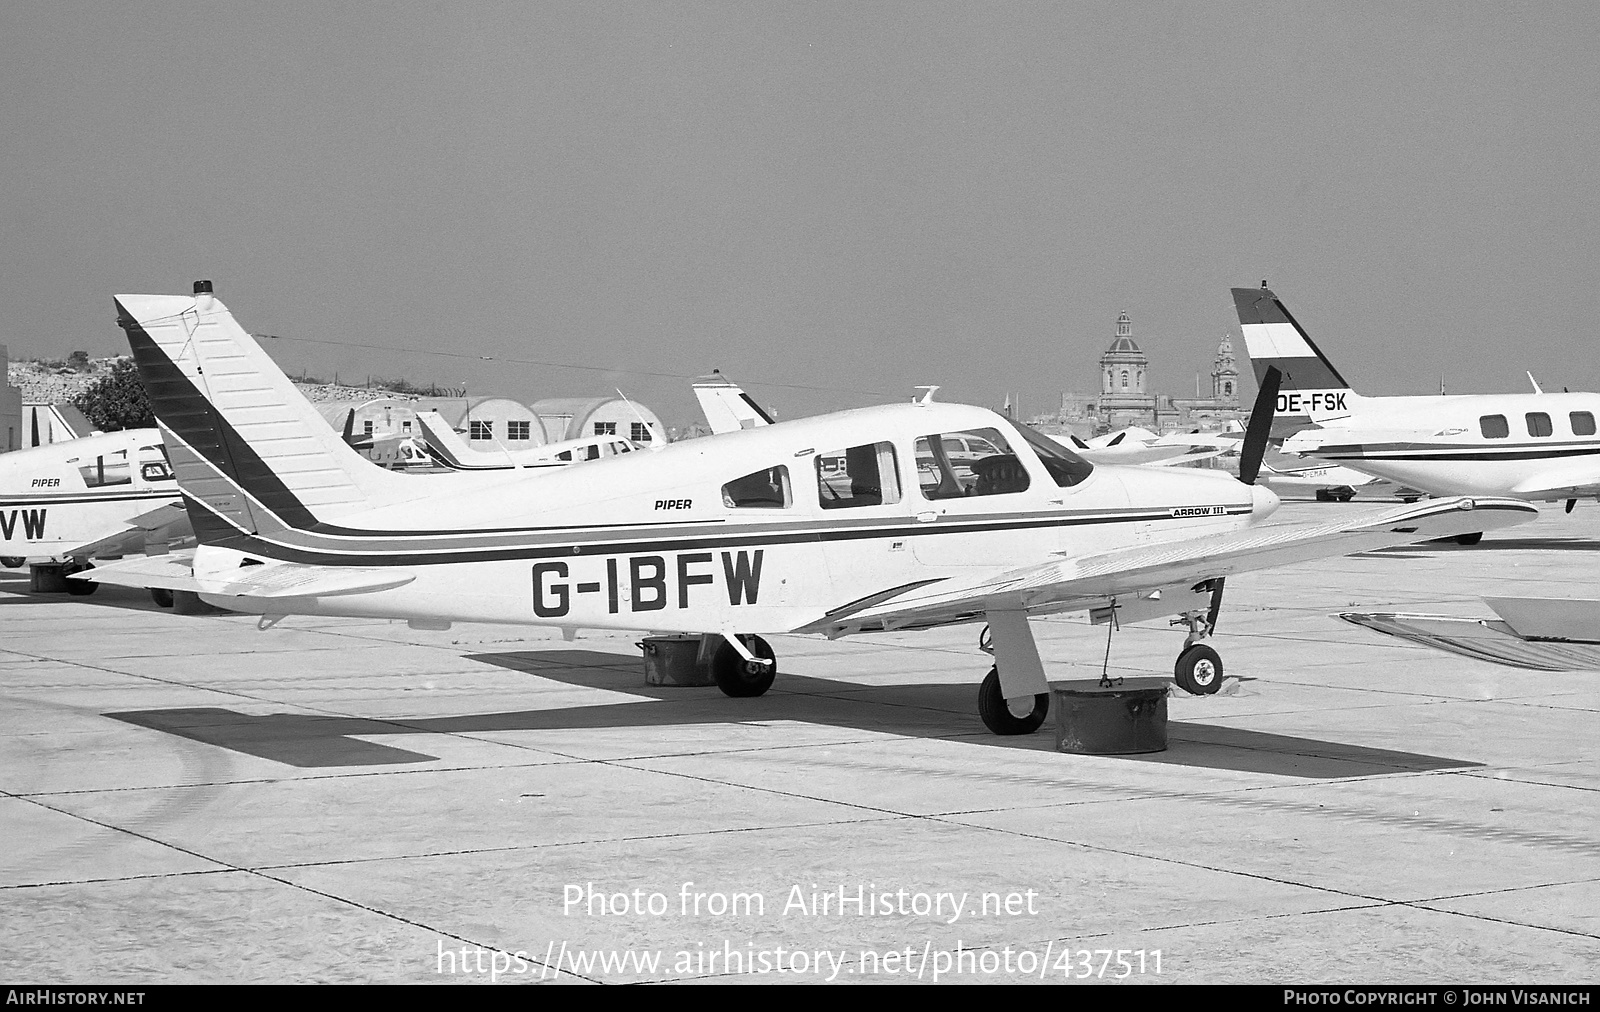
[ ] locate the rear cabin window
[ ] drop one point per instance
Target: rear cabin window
(111, 469)
(864, 475)
(765, 489)
(979, 462)
(1494, 427)
(153, 464)
(1538, 423)
(1582, 423)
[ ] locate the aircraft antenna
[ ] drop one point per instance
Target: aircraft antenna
(637, 413)
(1534, 382)
(926, 398)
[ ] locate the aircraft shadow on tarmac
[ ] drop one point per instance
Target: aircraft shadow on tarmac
(1493, 545)
(14, 590)
(939, 711)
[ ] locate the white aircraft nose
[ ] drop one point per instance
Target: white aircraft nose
(1263, 501)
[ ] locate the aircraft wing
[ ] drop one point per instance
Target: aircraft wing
(1496, 641)
(1080, 582)
(170, 520)
(1578, 479)
(174, 571)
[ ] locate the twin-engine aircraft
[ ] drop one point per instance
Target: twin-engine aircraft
(820, 525)
(62, 504)
(1538, 446)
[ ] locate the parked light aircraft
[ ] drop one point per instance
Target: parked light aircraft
(744, 533)
(64, 503)
(1326, 481)
(1126, 446)
(1534, 446)
(448, 449)
(386, 449)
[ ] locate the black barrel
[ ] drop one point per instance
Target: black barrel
(1121, 720)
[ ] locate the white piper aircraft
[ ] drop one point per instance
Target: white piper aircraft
(62, 504)
(1538, 446)
(737, 535)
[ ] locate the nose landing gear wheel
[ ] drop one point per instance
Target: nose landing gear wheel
(1198, 671)
(999, 717)
(735, 676)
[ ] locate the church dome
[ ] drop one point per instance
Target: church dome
(1123, 347)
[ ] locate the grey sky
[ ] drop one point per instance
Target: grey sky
(850, 197)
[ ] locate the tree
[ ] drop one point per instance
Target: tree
(79, 360)
(117, 400)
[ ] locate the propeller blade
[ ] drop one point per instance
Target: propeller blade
(1255, 437)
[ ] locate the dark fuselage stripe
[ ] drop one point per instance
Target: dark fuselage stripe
(261, 546)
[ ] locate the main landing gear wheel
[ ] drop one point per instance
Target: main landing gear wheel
(17, 561)
(1469, 539)
(997, 714)
(81, 588)
(1198, 671)
(737, 677)
(161, 596)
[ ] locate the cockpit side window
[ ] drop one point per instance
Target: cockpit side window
(764, 489)
(979, 462)
(865, 475)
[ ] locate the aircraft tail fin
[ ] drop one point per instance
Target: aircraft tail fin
(1312, 389)
(445, 445)
(246, 446)
(726, 406)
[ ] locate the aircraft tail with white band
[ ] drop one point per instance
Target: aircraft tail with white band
(1312, 391)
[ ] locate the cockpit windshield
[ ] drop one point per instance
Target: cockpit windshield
(1066, 467)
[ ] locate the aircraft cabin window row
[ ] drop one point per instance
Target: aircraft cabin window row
(949, 465)
(1539, 425)
(764, 489)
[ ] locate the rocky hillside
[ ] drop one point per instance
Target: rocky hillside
(55, 383)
